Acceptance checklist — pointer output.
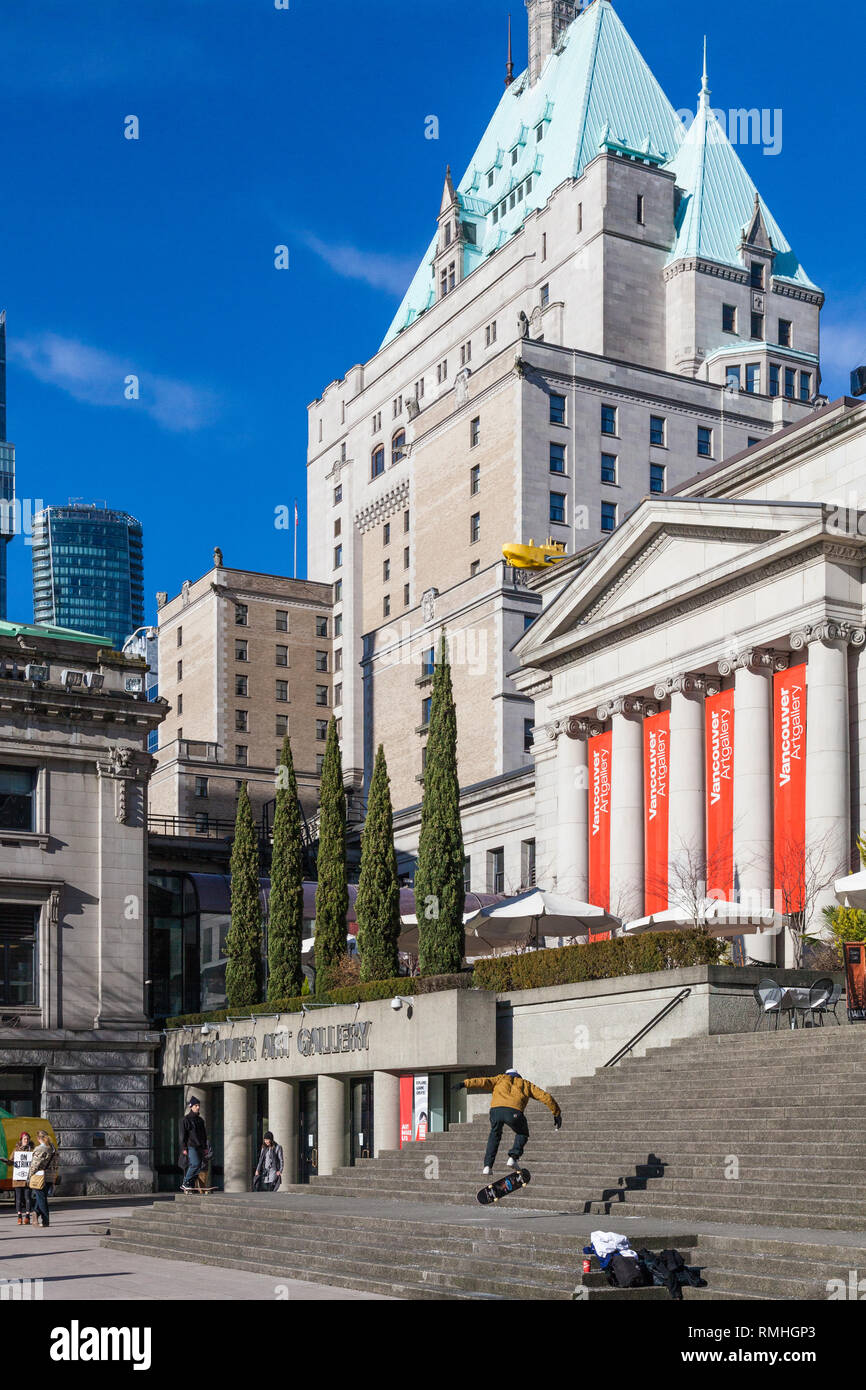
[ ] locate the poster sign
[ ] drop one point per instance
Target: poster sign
(656, 780)
(719, 736)
(421, 1108)
(789, 783)
(21, 1165)
(855, 977)
(407, 1107)
(599, 758)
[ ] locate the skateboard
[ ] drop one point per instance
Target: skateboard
(199, 1191)
(501, 1188)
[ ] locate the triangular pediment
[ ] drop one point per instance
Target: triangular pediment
(757, 236)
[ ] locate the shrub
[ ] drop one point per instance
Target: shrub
(602, 960)
(846, 924)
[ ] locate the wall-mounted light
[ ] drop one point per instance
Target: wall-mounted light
(36, 671)
(71, 679)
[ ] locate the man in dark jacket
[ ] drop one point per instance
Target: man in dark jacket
(193, 1143)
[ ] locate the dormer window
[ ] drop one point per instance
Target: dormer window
(539, 133)
(514, 154)
(756, 274)
(490, 179)
(447, 233)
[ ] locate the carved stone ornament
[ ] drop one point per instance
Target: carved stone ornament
(124, 765)
(629, 706)
(428, 605)
(697, 686)
(828, 631)
(572, 726)
(753, 658)
(461, 387)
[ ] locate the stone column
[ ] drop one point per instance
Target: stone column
(332, 1124)
(572, 802)
(828, 757)
(626, 808)
(386, 1111)
(686, 792)
(753, 787)
(283, 1123)
(237, 1137)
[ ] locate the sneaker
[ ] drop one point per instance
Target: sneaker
(512, 1162)
(21, 1221)
(27, 1220)
(184, 1188)
(485, 1171)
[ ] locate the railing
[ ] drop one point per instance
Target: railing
(202, 827)
(662, 1013)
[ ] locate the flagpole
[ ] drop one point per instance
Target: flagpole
(295, 565)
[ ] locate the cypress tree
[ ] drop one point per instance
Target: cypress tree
(244, 940)
(377, 906)
(286, 916)
(332, 895)
(439, 891)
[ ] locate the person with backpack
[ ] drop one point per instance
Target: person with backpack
(269, 1169)
(20, 1165)
(41, 1161)
(511, 1095)
(193, 1143)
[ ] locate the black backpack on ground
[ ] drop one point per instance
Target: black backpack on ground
(669, 1269)
(625, 1272)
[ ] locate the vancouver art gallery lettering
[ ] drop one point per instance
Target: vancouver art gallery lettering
(340, 1037)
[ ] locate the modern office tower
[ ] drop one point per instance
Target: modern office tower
(7, 473)
(88, 571)
(606, 308)
(244, 659)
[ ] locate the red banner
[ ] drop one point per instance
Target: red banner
(789, 782)
(407, 1110)
(719, 735)
(656, 782)
(599, 758)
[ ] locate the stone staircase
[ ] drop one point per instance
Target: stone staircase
(743, 1131)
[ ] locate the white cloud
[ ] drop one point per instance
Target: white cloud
(374, 268)
(98, 378)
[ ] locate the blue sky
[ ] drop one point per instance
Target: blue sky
(303, 127)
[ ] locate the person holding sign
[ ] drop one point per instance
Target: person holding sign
(20, 1165)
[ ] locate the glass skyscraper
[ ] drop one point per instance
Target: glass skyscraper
(7, 473)
(88, 571)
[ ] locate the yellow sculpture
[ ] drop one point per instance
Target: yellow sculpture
(532, 556)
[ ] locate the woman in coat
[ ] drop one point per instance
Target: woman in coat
(269, 1169)
(20, 1165)
(41, 1160)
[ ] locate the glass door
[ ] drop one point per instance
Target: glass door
(308, 1130)
(362, 1118)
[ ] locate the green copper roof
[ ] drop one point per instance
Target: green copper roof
(596, 92)
(595, 89)
(57, 634)
(720, 200)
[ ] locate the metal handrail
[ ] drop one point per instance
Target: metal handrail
(671, 1004)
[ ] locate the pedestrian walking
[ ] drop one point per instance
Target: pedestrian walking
(269, 1169)
(20, 1165)
(193, 1143)
(511, 1095)
(41, 1160)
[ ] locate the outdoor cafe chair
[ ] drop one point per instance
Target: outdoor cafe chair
(768, 997)
(824, 999)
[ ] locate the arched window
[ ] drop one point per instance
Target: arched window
(378, 462)
(398, 447)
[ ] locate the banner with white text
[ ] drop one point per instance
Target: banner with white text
(719, 735)
(789, 783)
(599, 758)
(656, 780)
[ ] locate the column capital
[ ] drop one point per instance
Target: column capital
(828, 631)
(572, 726)
(692, 684)
(754, 659)
(629, 706)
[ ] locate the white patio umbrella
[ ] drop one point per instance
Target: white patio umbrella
(717, 917)
(514, 919)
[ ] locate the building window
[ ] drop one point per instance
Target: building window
(321, 627)
(282, 620)
(543, 243)
(282, 725)
(405, 595)
(338, 659)
(752, 442)
(16, 799)
(282, 692)
(320, 763)
(426, 705)
(753, 378)
(338, 694)
(442, 372)
(321, 730)
(608, 419)
(474, 432)
(805, 386)
(241, 717)
(640, 210)
(241, 651)
(474, 527)
(608, 468)
(705, 442)
(398, 447)
(475, 479)
(180, 637)
(490, 334)
(545, 296)
(474, 568)
(338, 526)
(180, 705)
(756, 275)
(657, 431)
(467, 874)
(321, 661)
(321, 695)
(377, 422)
(338, 556)
(386, 570)
(580, 217)
(758, 327)
(397, 407)
(200, 788)
(527, 863)
(608, 516)
(377, 463)
(528, 620)
(241, 754)
(180, 670)
(242, 685)
(557, 458)
(281, 656)
(557, 409)
(405, 557)
(18, 958)
(790, 383)
(557, 508)
(428, 661)
(406, 520)
(528, 727)
(496, 870)
(241, 614)
(785, 327)
(733, 379)
(338, 591)
(338, 494)
(775, 379)
(465, 354)
(657, 477)
(729, 318)
(386, 606)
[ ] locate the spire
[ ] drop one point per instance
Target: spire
(705, 84)
(509, 66)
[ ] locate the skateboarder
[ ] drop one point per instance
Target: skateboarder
(511, 1095)
(193, 1143)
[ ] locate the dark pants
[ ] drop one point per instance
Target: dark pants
(193, 1166)
(40, 1199)
(502, 1115)
(24, 1200)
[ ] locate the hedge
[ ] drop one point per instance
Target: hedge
(361, 993)
(601, 960)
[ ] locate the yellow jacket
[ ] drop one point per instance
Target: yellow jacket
(512, 1092)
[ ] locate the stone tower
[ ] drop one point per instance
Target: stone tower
(547, 19)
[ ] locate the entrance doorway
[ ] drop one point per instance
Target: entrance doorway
(21, 1092)
(362, 1118)
(308, 1130)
